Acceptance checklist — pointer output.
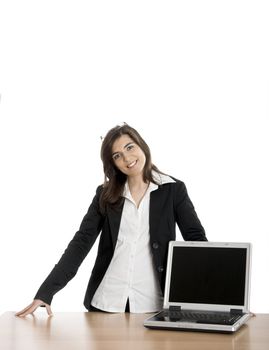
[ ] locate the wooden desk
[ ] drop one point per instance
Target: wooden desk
(98, 331)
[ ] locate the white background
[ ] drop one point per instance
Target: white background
(191, 76)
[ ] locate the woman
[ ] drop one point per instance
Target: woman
(135, 210)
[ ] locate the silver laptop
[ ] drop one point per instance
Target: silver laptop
(207, 287)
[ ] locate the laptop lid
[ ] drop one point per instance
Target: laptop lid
(210, 276)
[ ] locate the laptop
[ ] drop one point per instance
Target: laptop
(206, 288)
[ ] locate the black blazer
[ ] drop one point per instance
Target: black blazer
(169, 205)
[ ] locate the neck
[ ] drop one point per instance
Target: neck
(136, 182)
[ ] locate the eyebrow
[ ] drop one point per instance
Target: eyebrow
(129, 143)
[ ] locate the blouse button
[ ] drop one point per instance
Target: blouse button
(160, 269)
(155, 245)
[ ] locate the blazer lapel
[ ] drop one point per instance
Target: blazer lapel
(155, 214)
(114, 218)
(155, 210)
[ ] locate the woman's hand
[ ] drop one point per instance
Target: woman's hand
(32, 307)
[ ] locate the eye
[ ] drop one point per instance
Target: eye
(130, 147)
(116, 156)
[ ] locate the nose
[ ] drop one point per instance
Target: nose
(125, 157)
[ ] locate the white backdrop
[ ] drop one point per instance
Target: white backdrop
(191, 76)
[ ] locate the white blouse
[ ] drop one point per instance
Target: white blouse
(131, 273)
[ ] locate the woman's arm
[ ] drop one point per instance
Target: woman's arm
(74, 254)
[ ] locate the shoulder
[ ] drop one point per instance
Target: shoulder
(170, 185)
(177, 182)
(165, 179)
(176, 189)
(171, 181)
(98, 191)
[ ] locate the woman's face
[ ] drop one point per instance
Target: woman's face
(127, 156)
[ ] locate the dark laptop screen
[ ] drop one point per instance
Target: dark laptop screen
(208, 275)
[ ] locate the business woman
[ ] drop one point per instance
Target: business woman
(136, 210)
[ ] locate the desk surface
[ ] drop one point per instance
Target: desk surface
(98, 331)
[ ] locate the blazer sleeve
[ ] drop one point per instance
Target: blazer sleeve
(185, 215)
(75, 253)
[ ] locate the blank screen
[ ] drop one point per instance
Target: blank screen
(208, 275)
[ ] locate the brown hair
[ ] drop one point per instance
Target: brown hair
(114, 180)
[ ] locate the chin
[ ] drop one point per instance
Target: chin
(135, 173)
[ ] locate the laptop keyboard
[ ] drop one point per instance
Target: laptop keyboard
(201, 317)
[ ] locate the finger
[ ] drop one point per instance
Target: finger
(29, 311)
(25, 309)
(48, 309)
(30, 308)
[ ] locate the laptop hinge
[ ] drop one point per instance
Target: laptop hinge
(236, 311)
(174, 308)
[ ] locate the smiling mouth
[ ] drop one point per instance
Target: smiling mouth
(132, 164)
